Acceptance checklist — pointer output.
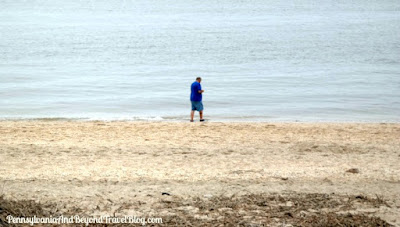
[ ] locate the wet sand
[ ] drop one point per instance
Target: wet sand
(124, 168)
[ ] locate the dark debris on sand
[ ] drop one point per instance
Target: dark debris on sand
(247, 210)
(277, 210)
(23, 208)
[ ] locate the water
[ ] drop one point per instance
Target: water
(260, 60)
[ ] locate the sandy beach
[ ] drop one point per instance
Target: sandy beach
(192, 173)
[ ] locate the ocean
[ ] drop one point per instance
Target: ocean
(260, 60)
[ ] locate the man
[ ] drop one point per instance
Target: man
(195, 98)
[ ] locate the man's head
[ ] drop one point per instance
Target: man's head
(198, 79)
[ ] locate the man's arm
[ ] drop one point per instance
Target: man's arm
(200, 91)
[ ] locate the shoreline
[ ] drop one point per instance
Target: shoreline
(171, 120)
(86, 164)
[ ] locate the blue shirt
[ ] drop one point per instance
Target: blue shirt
(195, 95)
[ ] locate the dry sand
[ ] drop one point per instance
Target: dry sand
(122, 168)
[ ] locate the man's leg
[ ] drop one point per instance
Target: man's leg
(201, 115)
(191, 115)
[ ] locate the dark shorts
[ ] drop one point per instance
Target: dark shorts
(197, 105)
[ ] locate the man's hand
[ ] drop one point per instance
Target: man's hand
(201, 91)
